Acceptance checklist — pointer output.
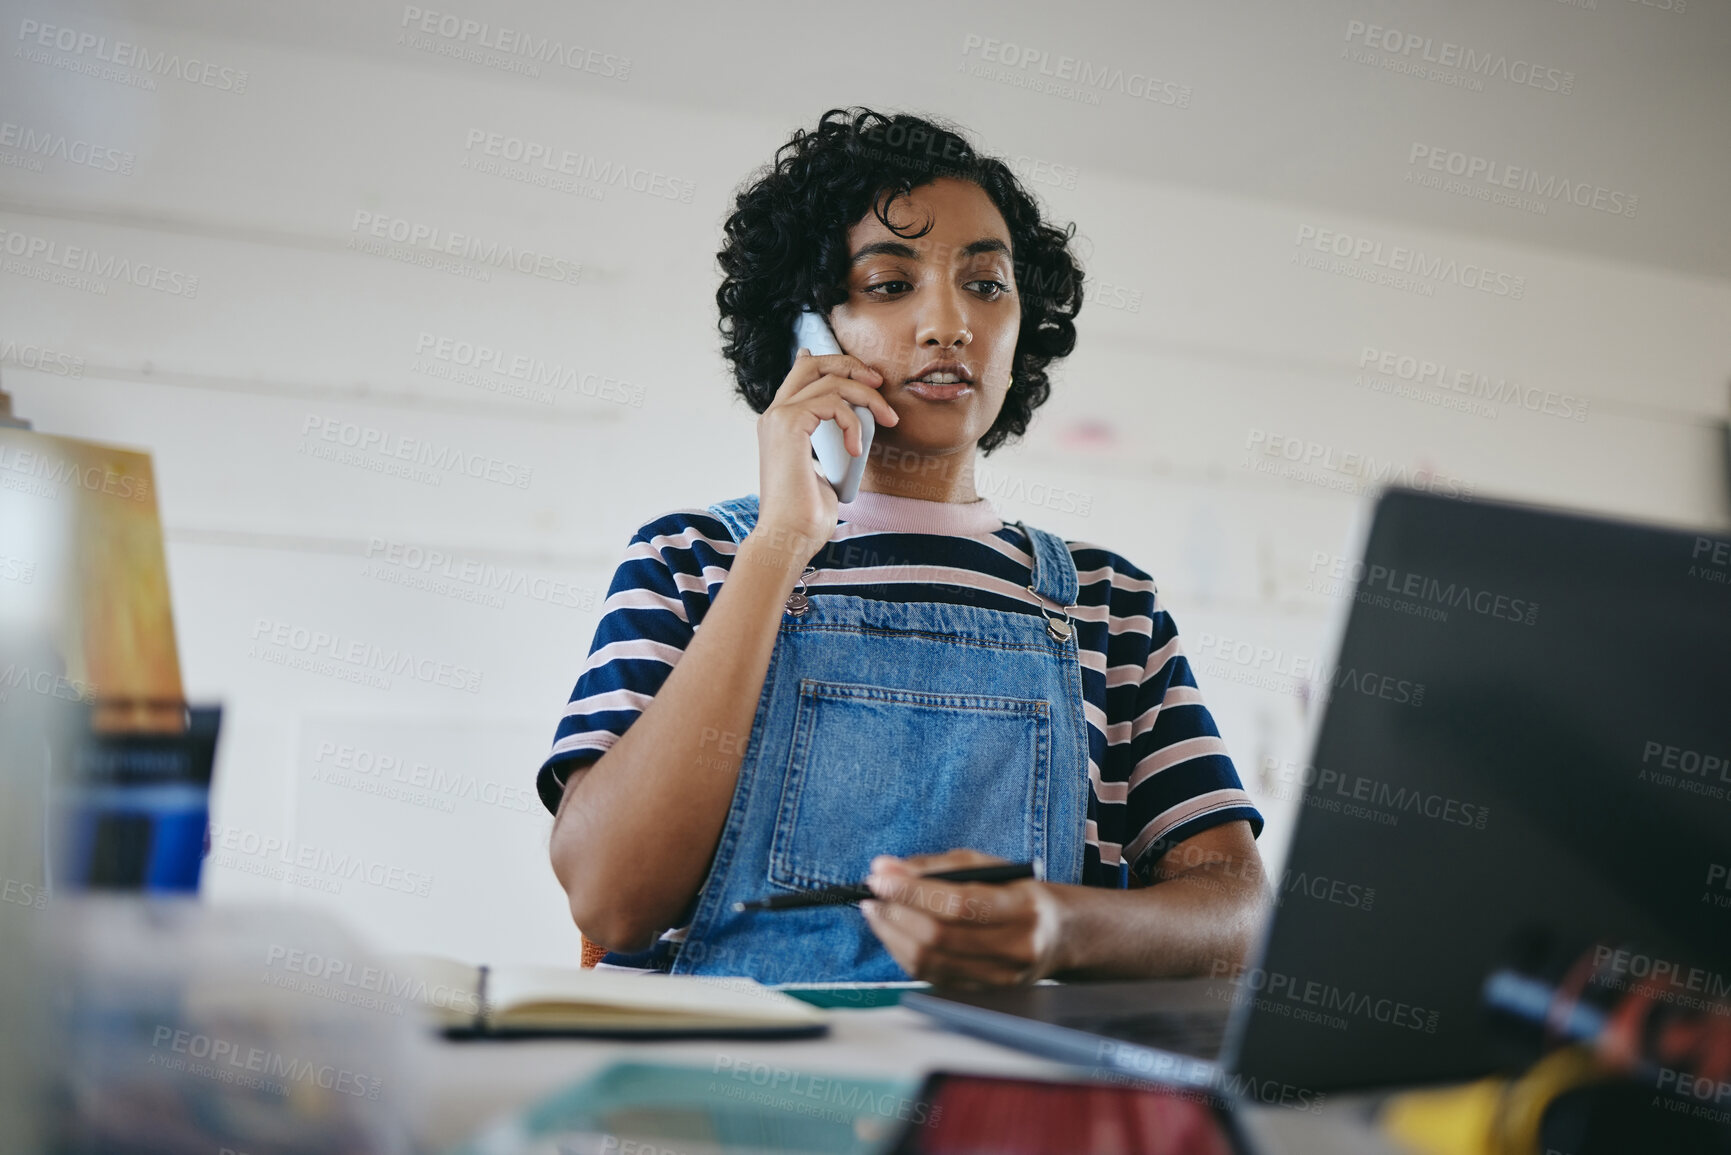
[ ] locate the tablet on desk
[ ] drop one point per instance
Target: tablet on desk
(963, 1114)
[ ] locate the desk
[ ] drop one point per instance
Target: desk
(467, 1083)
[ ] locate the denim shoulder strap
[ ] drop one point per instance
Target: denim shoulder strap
(739, 515)
(1054, 570)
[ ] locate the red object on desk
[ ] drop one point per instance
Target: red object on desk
(969, 1115)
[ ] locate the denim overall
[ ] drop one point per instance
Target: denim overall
(892, 728)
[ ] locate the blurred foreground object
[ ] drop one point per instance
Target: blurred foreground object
(735, 1105)
(134, 806)
(135, 1025)
(7, 418)
(178, 1032)
(35, 732)
(82, 572)
(1629, 1051)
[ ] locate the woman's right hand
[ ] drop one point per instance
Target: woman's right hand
(797, 509)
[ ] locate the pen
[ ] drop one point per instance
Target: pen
(854, 891)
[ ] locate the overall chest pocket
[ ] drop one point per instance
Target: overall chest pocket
(878, 770)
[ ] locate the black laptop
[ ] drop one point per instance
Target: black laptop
(1557, 768)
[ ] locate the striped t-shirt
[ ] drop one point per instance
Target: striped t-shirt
(1158, 770)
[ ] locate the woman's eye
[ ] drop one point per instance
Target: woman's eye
(994, 288)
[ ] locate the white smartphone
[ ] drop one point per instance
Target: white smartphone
(841, 469)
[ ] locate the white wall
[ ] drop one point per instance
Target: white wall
(1197, 214)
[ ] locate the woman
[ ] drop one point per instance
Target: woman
(903, 684)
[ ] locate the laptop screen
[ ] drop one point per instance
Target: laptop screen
(1525, 747)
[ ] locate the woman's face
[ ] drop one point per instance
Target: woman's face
(948, 296)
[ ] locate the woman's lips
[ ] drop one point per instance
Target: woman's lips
(939, 392)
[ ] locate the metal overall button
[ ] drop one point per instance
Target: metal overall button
(797, 602)
(1059, 628)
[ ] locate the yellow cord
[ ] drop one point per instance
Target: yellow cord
(1490, 1116)
(1515, 1128)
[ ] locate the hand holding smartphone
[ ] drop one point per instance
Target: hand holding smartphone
(841, 469)
(800, 499)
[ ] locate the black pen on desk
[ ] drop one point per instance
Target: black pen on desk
(855, 891)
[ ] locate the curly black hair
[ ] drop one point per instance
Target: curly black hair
(786, 247)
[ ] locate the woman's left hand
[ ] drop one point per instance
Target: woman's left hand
(966, 934)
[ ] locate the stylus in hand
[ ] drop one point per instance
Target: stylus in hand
(854, 892)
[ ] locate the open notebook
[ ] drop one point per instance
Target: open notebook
(466, 1000)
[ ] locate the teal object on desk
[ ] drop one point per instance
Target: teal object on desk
(738, 1105)
(850, 996)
